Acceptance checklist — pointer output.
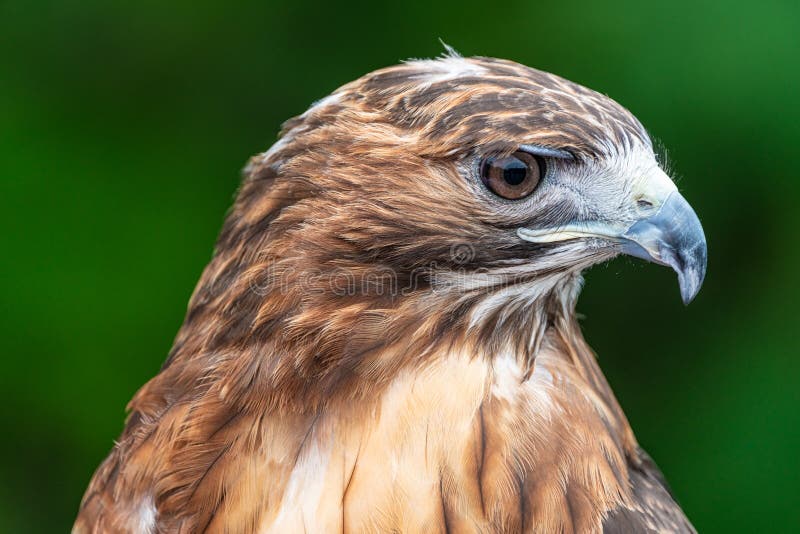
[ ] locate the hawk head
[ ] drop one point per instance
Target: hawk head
(441, 199)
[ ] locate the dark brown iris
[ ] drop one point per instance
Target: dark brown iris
(512, 177)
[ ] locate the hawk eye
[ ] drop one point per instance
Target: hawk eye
(512, 177)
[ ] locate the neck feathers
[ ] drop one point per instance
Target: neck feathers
(318, 336)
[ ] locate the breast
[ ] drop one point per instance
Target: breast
(464, 443)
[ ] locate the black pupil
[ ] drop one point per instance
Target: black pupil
(514, 172)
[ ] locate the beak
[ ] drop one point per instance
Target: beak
(669, 233)
(674, 237)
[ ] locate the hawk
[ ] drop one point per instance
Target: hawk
(385, 339)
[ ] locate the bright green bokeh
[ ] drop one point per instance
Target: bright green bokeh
(123, 128)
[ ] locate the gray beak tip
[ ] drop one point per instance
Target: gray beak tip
(689, 262)
(690, 282)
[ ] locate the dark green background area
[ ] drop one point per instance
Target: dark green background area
(123, 128)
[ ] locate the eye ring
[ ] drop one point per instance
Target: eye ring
(512, 177)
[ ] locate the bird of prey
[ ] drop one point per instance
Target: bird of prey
(385, 339)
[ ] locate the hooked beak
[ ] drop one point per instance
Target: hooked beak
(669, 233)
(673, 237)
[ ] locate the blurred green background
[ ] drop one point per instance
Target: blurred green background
(123, 127)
